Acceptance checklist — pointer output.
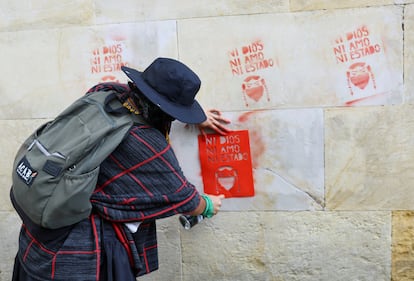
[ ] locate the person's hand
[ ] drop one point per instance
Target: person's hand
(215, 121)
(216, 202)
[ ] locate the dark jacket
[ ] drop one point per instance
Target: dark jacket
(141, 181)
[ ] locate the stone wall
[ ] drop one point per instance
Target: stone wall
(329, 114)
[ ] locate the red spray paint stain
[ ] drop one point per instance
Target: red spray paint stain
(245, 116)
(258, 147)
(356, 101)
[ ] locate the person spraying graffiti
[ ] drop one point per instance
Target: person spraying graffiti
(140, 182)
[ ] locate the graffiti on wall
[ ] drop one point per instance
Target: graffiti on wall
(355, 45)
(354, 50)
(246, 62)
(359, 75)
(107, 59)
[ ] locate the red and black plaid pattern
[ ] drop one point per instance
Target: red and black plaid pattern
(141, 181)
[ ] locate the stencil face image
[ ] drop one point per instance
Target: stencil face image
(227, 178)
(254, 87)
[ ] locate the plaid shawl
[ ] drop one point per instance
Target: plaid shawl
(141, 181)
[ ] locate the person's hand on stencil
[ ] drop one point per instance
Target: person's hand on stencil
(215, 121)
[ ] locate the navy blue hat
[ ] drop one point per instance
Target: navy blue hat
(172, 86)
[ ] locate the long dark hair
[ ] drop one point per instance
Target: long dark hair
(151, 112)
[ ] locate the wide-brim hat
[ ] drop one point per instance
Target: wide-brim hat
(172, 86)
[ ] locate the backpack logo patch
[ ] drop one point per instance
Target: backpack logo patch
(26, 172)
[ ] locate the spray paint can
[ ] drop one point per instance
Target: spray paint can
(188, 221)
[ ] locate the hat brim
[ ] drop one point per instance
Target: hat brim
(193, 114)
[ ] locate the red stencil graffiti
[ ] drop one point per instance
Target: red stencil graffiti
(359, 75)
(109, 78)
(253, 89)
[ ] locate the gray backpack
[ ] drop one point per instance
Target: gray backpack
(56, 169)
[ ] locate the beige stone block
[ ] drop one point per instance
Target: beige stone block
(368, 158)
(9, 232)
(18, 15)
(304, 246)
(48, 69)
(286, 149)
(323, 58)
(15, 133)
(169, 251)
(109, 11)
(402, 246)
(301, 5)
(30, 86)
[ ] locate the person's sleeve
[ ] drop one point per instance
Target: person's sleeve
(142, 180)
